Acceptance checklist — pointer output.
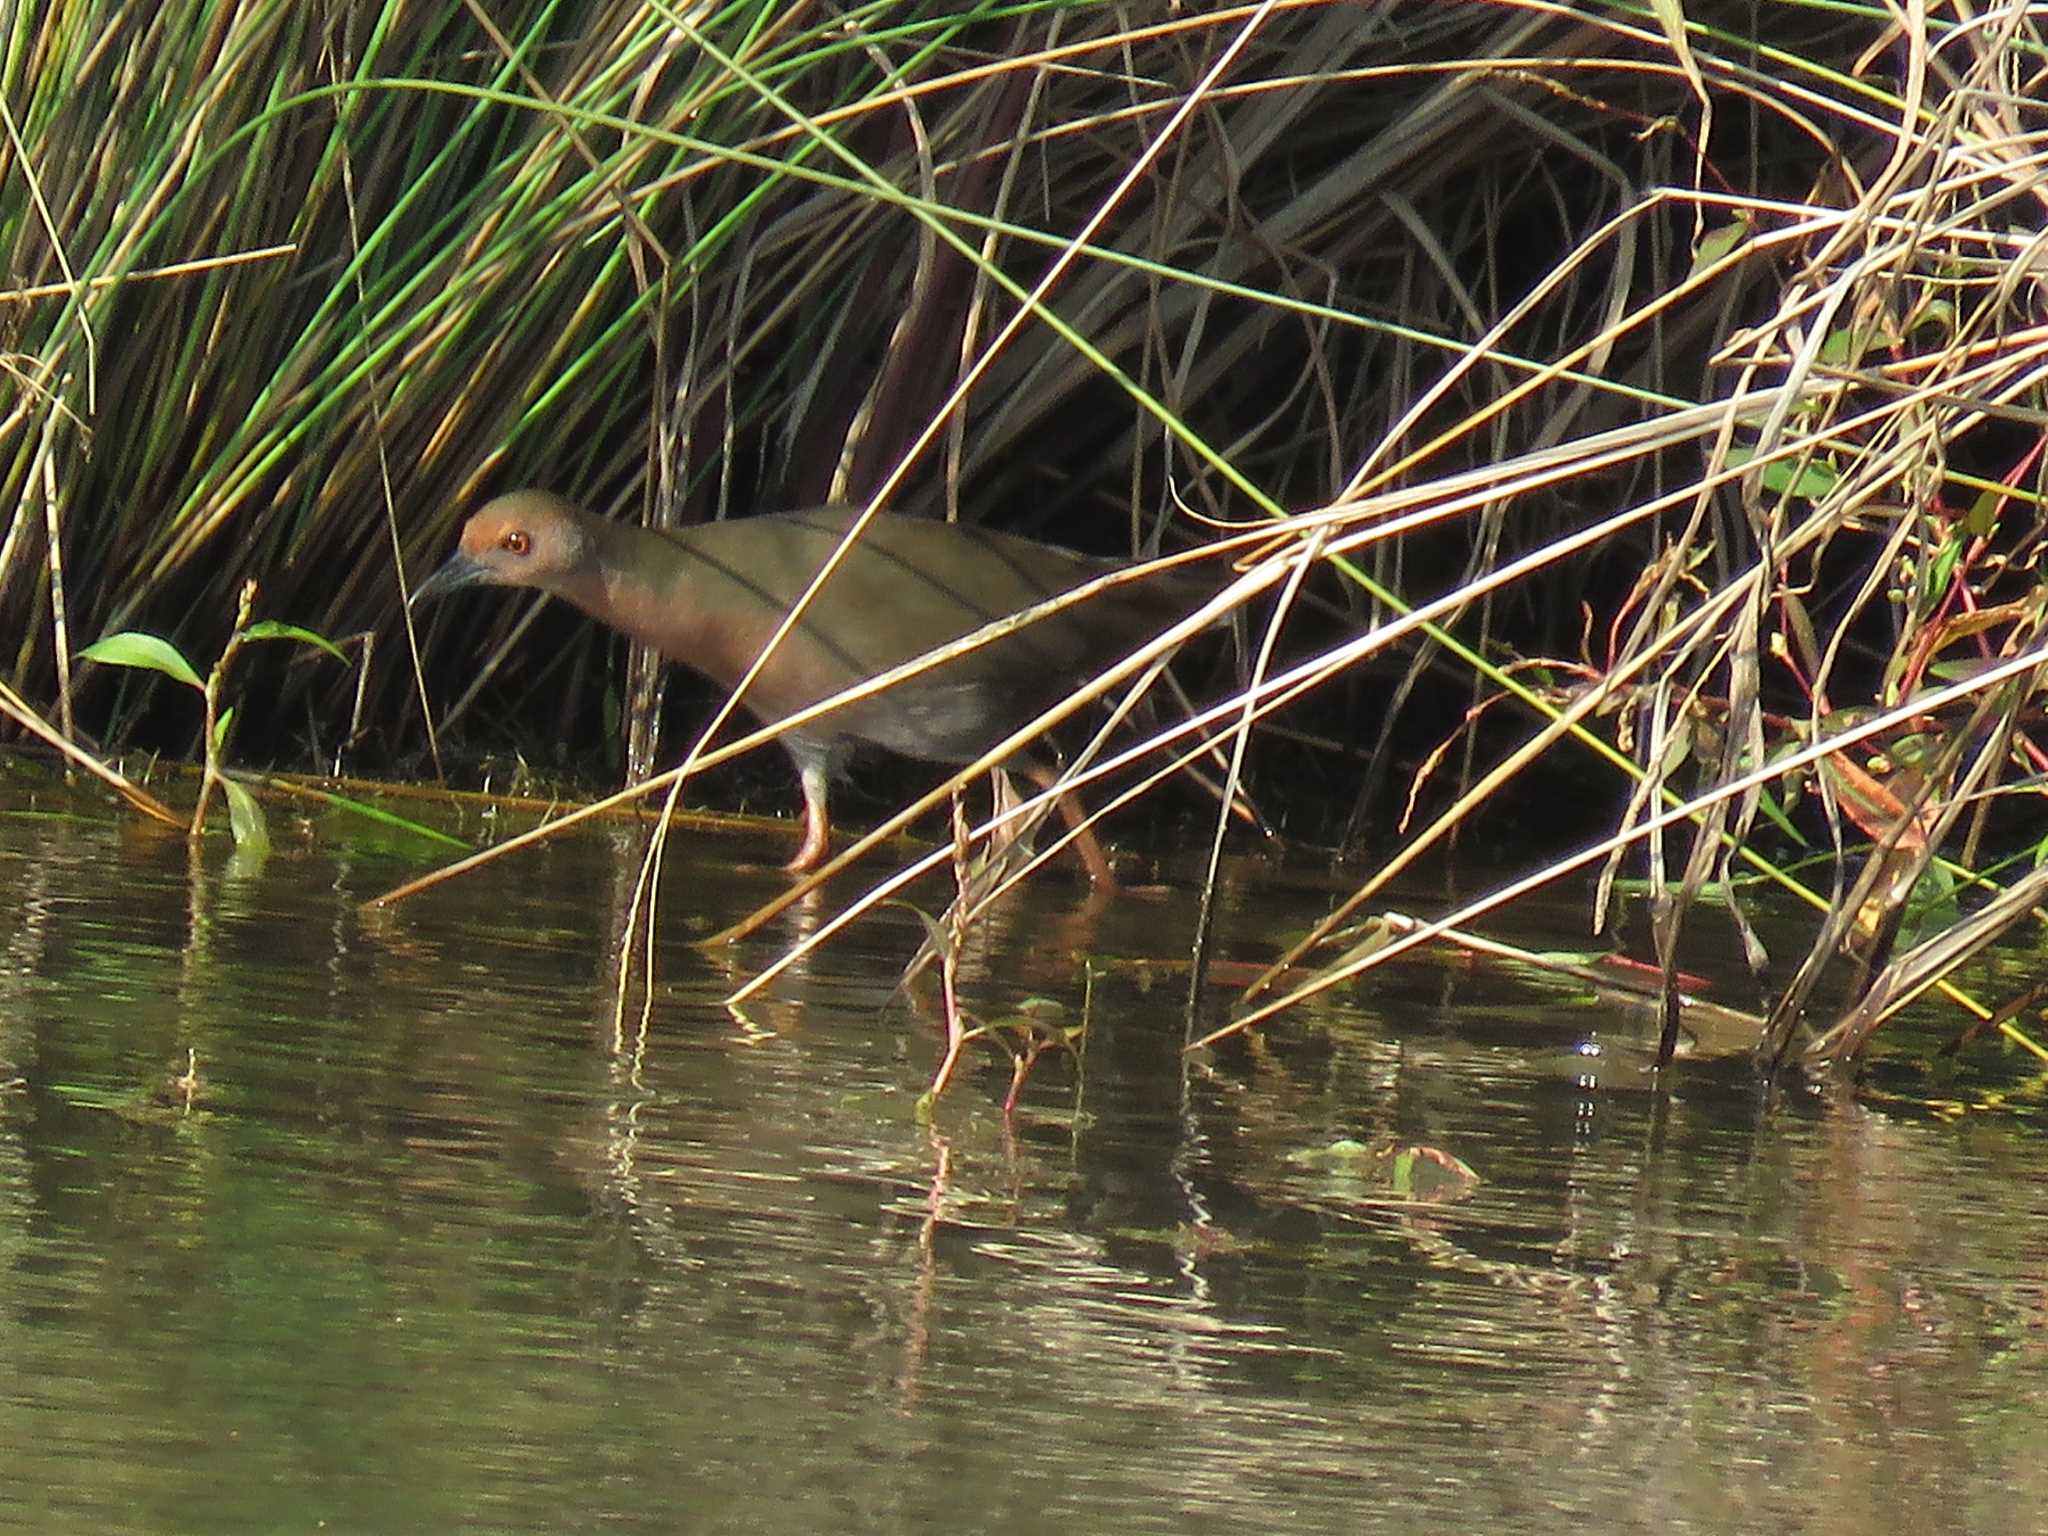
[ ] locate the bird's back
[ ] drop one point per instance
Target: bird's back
(908, 586)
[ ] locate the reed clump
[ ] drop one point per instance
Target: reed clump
(1659, 408)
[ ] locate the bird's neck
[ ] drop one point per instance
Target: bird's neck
(632, 581)
(663, 591)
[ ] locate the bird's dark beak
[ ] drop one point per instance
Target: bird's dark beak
(460, 571)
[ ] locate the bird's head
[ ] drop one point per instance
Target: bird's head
(526, 539)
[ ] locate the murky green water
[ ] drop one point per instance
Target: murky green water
(434, 1246)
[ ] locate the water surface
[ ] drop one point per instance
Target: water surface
(311, 1222)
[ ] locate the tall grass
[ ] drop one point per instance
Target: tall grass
(1673, 391)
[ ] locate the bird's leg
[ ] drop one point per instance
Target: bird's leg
(1100, 874)
(816, 774)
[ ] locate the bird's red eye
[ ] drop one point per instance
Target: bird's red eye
(515, 541)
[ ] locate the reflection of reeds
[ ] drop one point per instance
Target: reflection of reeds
(1680, 433)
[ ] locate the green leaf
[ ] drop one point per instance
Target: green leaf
(1775, 813)
(245, 818)
(1936, 312)
(1811, 480)
(270, 629)
(1982, 520)
(1934, 586)
(220, 729)
(131, 648)
(934, 931)
(1843, 346)
(378, 814)
(1717, 243)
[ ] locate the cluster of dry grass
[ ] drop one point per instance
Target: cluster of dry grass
(1678, 385)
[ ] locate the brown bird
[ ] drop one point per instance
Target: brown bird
(711, 596)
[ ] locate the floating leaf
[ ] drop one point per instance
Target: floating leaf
(376, 813)
(1345, 1152)
(131, 648)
